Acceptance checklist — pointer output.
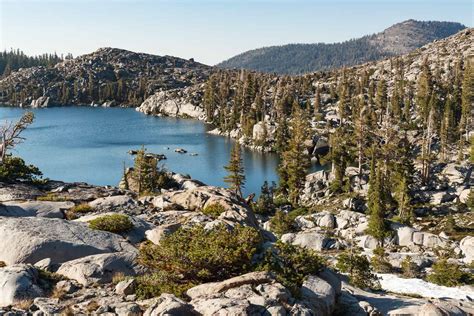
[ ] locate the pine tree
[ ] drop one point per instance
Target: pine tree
(402, 195)
(381, 98)
(145, 172)
(467, 98)
(377, 207)
(235, 169)
(423, 92)
(295, 160)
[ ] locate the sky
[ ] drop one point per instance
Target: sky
(208, 31)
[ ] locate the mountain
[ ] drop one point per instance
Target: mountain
(107, 76)
(398, 39)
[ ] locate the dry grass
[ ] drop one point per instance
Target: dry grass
(24, 304)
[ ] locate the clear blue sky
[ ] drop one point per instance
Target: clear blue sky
(209, 31)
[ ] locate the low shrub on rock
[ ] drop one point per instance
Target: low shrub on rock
(213, 210)
(380, 261)
(292, 264)
(359, 270)
(448, 274)
(409, 268)
(114, 223)
(15, 169)
(195, 255)
(83, 208)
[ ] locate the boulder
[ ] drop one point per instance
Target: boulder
(207, 289)
(156, 234)
(112, 203)
(367, 241)
(18, 282)
(35, 208)
(126, 287)
(99, 268)
(170, 305)
(18, 191)
(315, 240)
(236, 211)
(318, 295)
(467, 248)
(29, 240)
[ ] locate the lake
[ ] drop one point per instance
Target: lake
(87, 144)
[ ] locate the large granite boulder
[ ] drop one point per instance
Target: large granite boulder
(100, 268)
(318, 295)
(35, 208)
(168, 304)
(467, 248)
(29, 240)
(18, 282)
(312, 239)
(236, 211)
(254, 293)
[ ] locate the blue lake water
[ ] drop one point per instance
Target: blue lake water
(90, 145)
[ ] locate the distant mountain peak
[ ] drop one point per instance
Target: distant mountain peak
(400, 38)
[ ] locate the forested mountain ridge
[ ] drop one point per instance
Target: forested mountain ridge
(400, 38)
(109, 75)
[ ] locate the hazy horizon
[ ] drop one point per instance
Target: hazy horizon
(208, 31)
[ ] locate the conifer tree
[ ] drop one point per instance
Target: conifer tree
(402, 195)
(467, 98)
(295, 160)
(377, 207)
(235, 169)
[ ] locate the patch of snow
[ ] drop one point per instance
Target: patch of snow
(393, 283)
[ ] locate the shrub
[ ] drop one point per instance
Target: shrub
(2, 264)
(292, 264)
(359, 270)
(281, 223)
(195, 255)
(213, 210)
(114, 223)
(470, 200)
(47, 281)
(409, 268)
(82, 208)
(448, 274)
(380, 262)
(15, 169)
(53, 197)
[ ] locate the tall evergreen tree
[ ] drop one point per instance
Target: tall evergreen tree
(377, 207)
(235, 169)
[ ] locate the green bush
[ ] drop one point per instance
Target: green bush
(380, 262)
(114, 223)
(82, 208)
(448, 274)
(194, 256)
(53, 197)
(15, 169)
(359, 270)
(292, 264)
(213, 210)
(281, 223)
(409, 268)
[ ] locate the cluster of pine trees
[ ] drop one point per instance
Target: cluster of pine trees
(15, 59)
(382, 127)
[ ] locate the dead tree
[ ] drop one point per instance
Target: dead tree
(10, 133)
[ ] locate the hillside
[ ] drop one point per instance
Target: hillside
(398, 39)
(107, 76)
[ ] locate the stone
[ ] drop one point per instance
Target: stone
(112, 203)
(18, 191)
(99, 268)
(18, 282)
(47, 306)
(236, 212)
(315, 240)
(467, 248)
(35, 208)
(126, 287)
(156, 234)
(319, 295)
(367, 241)
(66, 286)
(29, 240)
(127, 309)
(206, 289)
(327, 221)
(170, 305)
